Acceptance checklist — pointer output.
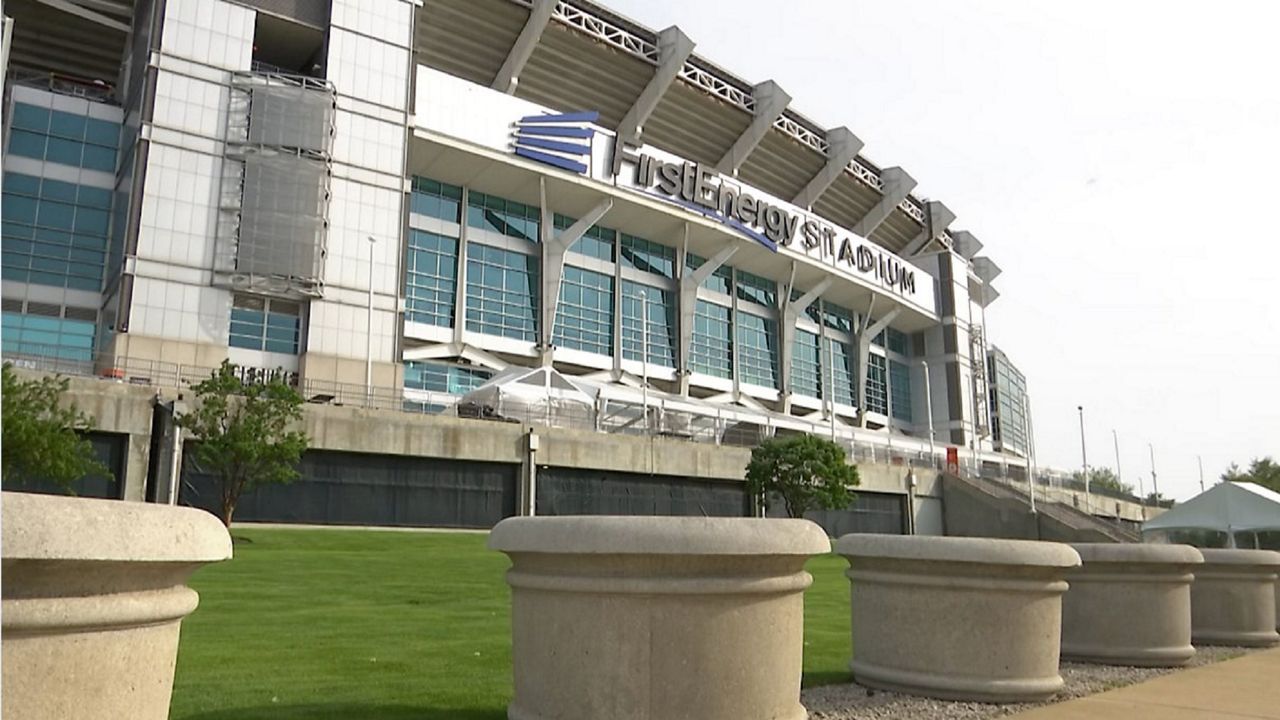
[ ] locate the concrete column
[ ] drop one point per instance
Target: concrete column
(522, 49)
(842, 147)
(937, 218)
(897, 185)
(1233, 598)
(770, 101)
(553, 248)
(674, 48)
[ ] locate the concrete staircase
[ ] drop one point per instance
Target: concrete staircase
(976, 507)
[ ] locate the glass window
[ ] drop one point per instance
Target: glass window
(431, 278)
(30, 117)
(659, 344)
(876, 384)
(39, 215)
(444, 377)
(900, 387)
(267, 324)
(506, 217)
(711, 345)
(584, 315)
(756, 289)
(596, 242)
(806, 365)
(898, 341)
(841, 358)
(502, 292)
(66, 125)
(38, 336)
(836, 317)
(757, 344)
(27, 144)
(435, 199)
(102, 132)
(647, 256)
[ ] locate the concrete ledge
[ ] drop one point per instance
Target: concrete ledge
(957, 618)
(648, 618)
(1233, 600)
(94, 592)
(1130, 605)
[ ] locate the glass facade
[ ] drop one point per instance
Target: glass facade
(444, 377)
(757, 290)
(806, 365)
(844, 361)
(757, 343)
(1008, 404)
(502, 292)
(584, 314)
(505, 217)
(876, 399)
(661, 340)
(836, 317)
(711, 346)
(899, 341)
(431, 278)
(720, 281)
(64, 138)
(900, 387)
(49, 337)
(647, 256)
(269, 324)
(596, 242)
(54, 232)
(435, 199)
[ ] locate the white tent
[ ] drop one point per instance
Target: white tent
(1228, 507)
(539, 395)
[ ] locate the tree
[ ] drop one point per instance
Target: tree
(40, 435)
(1103, 477)
(1262, 471)
(243, 431)
(806, 471)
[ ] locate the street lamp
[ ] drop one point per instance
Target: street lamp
(1084, 462)
(644, 356)
(1155, 486)
(1200, 463)
(1116, 439)
(928, 411)
(1027, 449)
(368, 353)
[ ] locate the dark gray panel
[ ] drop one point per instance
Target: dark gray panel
(311, 12)
(282, 224)
(288, 116)
(110, 449)
(576, 491)
(869, 513)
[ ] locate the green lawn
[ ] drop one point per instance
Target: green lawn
(386, 626)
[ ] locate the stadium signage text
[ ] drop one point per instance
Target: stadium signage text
(703, 190)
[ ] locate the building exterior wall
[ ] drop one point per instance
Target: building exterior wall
(1008, 405)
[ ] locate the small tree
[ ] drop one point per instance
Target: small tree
(1262, 471)
(243, 431)
(806, 471)
(41, 436)
(1103, 477)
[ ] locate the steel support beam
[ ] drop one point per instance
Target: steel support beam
(554, 247)
(842, 147)
(897, 186)
(674, 48)
(92, 16)
(937, 218)
(770, 101)
(688, 301)
(509, 74)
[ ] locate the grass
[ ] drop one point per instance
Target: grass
(322, 624)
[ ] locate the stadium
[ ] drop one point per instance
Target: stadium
(479, 236)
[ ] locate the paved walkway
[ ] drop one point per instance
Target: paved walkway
(1246, 687)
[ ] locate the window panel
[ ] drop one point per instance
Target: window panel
(647, 256)
(757, 345)
(48, 337)
(265, 324)
(876, 401)
(711, 345)
(506, 217)
(900, 387)
(435, 199)
(30, 117)
(660, 341)
(756, 289)
(720, 281)
(806, 365)
(444, 377)
(584, 314)
(490, 271)
(431, 278)
(842, 360)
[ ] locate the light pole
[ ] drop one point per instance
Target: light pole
(1084, 463)
(1200, 463)
(644, 356)
(1116, 439)
(368, 353)
(928, 411)
(1155, 486)
(1031, 461)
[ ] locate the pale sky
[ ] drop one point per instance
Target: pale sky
(1118, 160)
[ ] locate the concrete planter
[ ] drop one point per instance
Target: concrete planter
(1233, 600)
(657, 618)
(1130, 605)
(957, 618)
(94, 592)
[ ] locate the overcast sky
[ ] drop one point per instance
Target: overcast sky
(1119, 161)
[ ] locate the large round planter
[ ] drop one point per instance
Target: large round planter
(1233, 600)
(1130, 605)
(957, 618)
(657, 618)
(94, 592)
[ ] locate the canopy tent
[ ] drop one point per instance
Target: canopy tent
(1228, 507)
(532, 395)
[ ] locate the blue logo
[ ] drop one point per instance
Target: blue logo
(562, 140)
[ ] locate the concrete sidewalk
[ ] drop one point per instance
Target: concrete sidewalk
(1246, 687)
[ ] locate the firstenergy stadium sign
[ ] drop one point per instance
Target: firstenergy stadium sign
(768, 222)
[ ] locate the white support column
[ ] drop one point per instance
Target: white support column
(689, 282)
(864, 352)
(770, 100)
(521, 50)
(897, 186)
(554, 246)
(842, 147)
(791, 310)
(674, 48)
(937, 218)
